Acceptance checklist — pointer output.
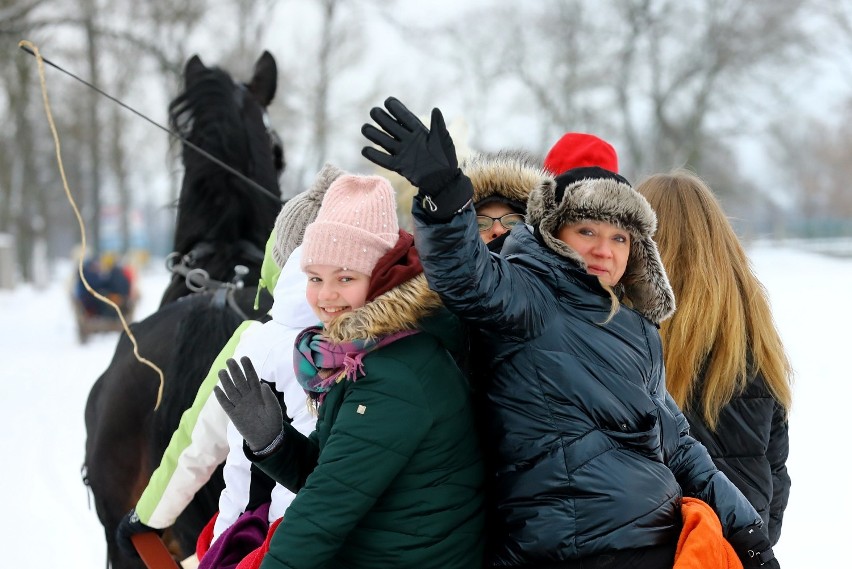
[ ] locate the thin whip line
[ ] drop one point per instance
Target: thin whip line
(29, 46)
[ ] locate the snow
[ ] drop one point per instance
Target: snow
(48, 520)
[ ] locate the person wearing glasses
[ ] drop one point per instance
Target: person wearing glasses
(502, 182)
(589, 460)
(490, 227)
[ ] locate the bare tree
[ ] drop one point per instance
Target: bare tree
(90, 10)
(20, 197)
(812, 155)
(24, 193)
(253, 20)
(815, 157)
(31, 207)
(659, 77)
(320, 104)
(704, 67)
(834, 26)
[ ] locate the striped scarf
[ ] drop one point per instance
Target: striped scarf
(320, 364)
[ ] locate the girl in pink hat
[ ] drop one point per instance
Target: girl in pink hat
(392, 475)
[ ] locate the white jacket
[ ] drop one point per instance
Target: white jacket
(202, 440)
(270, 348)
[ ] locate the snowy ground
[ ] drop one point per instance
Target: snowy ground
(48, 521)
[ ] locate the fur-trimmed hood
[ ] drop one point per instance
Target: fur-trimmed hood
(401, 308)
(508, 176)
(596, 194)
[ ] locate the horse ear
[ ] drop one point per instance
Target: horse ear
(193, 68)
(265, 79)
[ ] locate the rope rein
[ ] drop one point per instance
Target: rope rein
(41, 75)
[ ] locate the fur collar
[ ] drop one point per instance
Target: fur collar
(400, 308)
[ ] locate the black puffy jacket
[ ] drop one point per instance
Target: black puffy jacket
(750, 445)
(589, 452)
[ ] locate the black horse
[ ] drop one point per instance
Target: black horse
(223, 222)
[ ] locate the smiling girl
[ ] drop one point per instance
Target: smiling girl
(392, 475)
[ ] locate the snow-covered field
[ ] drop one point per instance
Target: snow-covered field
(47, 520)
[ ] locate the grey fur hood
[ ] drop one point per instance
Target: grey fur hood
(600, 195)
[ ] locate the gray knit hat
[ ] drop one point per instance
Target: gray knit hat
(600, 195)
(299, 212)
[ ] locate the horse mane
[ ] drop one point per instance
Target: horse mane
(221, 116)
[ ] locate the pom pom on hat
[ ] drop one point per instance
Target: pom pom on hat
(299, 212)
(577, 150)
(355, 227)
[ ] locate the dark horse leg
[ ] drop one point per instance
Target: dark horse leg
(126, 437)
(118, 414)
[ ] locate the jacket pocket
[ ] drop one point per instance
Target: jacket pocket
(645, 439)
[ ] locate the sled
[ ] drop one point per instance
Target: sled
(89, 324)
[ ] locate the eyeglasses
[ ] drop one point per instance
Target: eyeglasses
(508, 221)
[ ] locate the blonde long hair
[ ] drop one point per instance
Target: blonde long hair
(723, 313)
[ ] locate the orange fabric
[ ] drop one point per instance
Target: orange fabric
(153, 551)
(701, 544)
(253, 559)
(205, 538)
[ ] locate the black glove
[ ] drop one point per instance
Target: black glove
(424, 157)
(127, 528)
(754, 548)
(251, 406)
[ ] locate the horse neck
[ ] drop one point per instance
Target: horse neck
(213, 209)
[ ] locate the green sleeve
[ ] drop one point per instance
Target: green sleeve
(269, 271)
(363, 454)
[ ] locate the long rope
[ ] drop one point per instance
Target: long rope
(31, 48)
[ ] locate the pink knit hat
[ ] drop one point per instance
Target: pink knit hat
(356, 225)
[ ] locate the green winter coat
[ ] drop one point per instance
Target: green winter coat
(392, 475)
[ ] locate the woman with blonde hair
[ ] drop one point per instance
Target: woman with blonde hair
(725, 362)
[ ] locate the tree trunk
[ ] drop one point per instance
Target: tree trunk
(92, 58)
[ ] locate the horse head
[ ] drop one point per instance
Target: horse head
(222, 220)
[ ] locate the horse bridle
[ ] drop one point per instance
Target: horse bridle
(199, 280)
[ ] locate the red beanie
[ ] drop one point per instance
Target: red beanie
(576, 150)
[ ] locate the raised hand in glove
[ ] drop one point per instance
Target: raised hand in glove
(753, 548)
(127, 528)
(424, 157)
(251, 405)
